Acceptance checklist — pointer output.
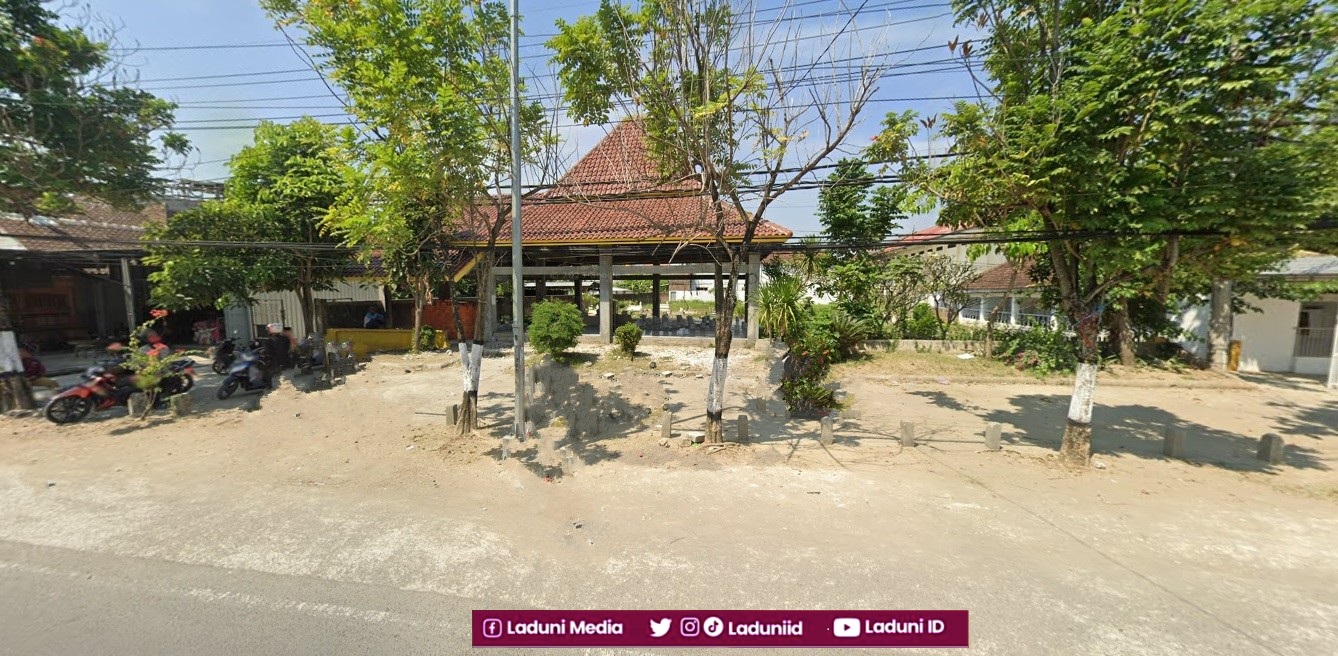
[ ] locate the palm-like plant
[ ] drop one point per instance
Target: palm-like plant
(780, 304)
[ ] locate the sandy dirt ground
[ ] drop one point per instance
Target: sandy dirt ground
(367, 482)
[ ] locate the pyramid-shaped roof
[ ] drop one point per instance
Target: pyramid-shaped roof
(616, 195)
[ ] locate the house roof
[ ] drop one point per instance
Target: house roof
(1322, 267)
(997, 278)
(578, 211)
(98, 227)
(920, 237)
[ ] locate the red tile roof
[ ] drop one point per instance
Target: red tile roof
(923, 235)
(99, 227)
(997, 278)
(576, 210)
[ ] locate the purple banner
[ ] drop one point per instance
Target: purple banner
(721, 628)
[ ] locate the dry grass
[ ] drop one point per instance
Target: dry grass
(909, 363)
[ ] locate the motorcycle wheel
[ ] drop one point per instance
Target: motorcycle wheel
(229, 386)
(220, 367)
(187, 382)
(67, 410)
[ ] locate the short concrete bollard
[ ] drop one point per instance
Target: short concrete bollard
(529, 429)
(760, 405)
(507, 446)
(993, 433)
(1270, 448)
(569, 461)
(1173, 445)
(667, 428)
(743, 428)
(455, 413)
(827, 431)
(540, 389)
(907, 433)
(180, 405)
(136, 404)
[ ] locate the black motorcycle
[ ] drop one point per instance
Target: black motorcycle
(239, 375)
(224, 355)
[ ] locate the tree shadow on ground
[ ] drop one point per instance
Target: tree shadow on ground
(943, 400)
(1316, 422)
(1136, 430)
(1299, 382)
(571, 414)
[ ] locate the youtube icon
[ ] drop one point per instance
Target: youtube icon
(845, 627)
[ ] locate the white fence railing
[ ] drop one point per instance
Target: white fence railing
(1314, 342)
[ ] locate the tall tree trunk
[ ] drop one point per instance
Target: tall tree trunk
(1076, 449)
(1124, 331)
(304, 296)
(417, 322)
(15, 393)
(471, 354)
(1219, 325)
(725, 297)
(994, 314)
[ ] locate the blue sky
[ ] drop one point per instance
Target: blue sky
(272, 81)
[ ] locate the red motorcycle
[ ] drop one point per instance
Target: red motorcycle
(102, 389)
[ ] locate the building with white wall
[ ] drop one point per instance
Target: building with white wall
(1284, 336)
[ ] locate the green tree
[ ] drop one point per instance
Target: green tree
(1137, 118)
(715, 102)
(431, 80)
(281, 189)
(853, 213)
(68, 131)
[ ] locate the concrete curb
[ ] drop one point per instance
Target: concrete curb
(1066, 382)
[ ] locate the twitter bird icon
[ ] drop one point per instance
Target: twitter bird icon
(660, 628)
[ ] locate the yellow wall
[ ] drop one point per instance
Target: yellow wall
(365, 341)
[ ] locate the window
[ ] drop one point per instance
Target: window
(972, 309)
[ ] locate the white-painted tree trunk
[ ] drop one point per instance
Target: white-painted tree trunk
(1077, 446)
(471, 366)
(715, 393)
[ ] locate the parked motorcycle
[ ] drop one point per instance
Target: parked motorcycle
(104, 388)
(239, 376)
(224, 355)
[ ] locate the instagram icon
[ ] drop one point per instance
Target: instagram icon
(492, 628)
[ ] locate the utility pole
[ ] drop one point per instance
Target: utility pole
(517, 277)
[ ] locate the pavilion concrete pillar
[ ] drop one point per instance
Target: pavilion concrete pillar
(540, 289)
(1333, 361)
(751, 288)
(489, 294)
(655, 295)
(606, 297)
(576, 295)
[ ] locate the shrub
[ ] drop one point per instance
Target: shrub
(427, 338)
(779, 306)
(628, 336)
(961, 333)
(806, 365)
(922, 324)
(555, 326)
(845, 331)
(1037, 349)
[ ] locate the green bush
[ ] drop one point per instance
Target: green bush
(922, 324)
(555, 326)
(963, 333)
(780, 306)
(806, 365)
(628, 336)
(846, 332)
(1037, 349)
(427, 338)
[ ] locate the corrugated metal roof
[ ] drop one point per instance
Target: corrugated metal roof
(1314, 266)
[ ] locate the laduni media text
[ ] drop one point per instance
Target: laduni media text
(568, 627)
(782, 628)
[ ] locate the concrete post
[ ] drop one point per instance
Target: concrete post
(180, 405)
(1333, 363)
(993, 433)
(667, 428)
(1270, 448)
(540, 289)
(752, 287)
(506, 448)
(455, 414)
(1219, 325)
(827, 431)
(577, 297)
(606, 297)
(1173, 445)
(743, 428)
(907, 433)
(760, 405)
